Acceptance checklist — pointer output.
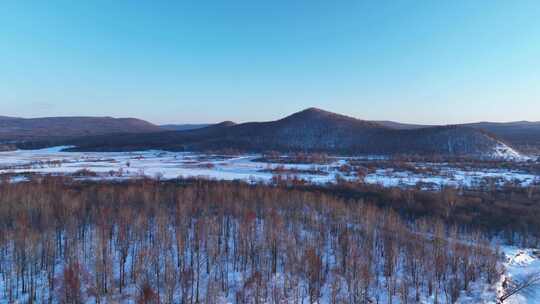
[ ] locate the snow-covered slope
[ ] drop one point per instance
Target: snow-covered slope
(503, 151)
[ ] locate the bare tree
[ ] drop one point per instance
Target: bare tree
(513, 287)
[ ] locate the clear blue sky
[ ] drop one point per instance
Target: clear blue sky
(207, 61)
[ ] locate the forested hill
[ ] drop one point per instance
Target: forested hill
(311, 130)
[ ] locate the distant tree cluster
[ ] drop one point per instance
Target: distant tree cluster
(509, 212)
(295, 158)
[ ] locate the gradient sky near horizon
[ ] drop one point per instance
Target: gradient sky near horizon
(208, 61)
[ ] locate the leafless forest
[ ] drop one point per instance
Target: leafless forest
(193, 241)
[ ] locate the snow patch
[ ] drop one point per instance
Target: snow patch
(503, 151)
(520, 263)
(521, 258)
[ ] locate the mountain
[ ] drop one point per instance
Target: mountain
(524, 135)
(400, 125)
(186, 127)
(312, 130)
(183, 127)
(59, 128)
(8, 117)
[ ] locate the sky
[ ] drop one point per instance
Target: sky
(432, 62)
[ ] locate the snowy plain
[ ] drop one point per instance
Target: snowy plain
(170, 165)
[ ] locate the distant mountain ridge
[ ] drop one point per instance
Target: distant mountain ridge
(312, 130)
(187, 127)
(50, 128)
(400, 125)
(183, 127)
(8, 117)
(524, 135)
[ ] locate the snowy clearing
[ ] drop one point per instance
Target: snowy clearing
(170, 165)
